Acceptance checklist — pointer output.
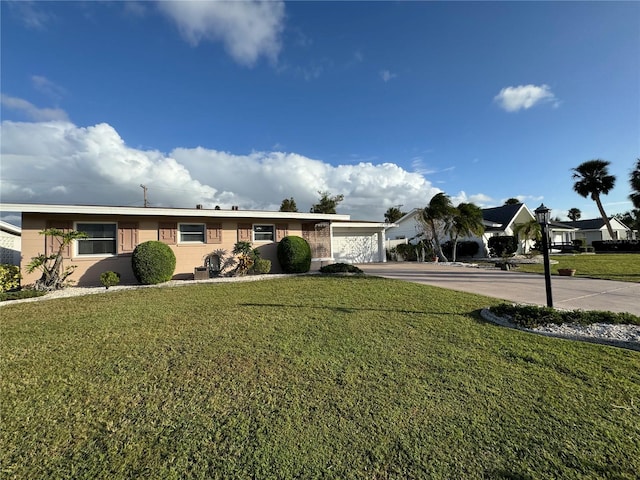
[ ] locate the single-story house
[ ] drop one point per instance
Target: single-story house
(595, 230)
(10, 240)
(192, 234)
(498, 221)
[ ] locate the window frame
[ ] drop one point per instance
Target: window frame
(88, 239)
(203, 226)
(273, 232)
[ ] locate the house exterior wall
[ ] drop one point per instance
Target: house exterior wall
(360, 248)
(188, 255)
(10, 246)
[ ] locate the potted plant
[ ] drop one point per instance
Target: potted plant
(566, 272)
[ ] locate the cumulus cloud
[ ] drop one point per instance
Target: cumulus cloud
(524, 97)
(248, 29)
(386, 75)
(59, 162)
(30, 111)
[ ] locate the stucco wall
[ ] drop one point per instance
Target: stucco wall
(188, 256)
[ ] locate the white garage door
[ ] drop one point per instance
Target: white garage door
(355, 248)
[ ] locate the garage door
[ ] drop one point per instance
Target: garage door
(355, 248)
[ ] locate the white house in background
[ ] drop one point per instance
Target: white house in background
(595, 230)
(498, 221)
(10, 243)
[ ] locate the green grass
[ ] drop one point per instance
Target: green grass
(308, 377)
(623, 267)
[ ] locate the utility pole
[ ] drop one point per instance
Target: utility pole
(146, 204)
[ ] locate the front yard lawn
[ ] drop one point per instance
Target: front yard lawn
(620, 266)
(306, 377)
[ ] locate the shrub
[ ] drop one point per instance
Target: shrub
(407, 251)
(294, 255)
(503, 245)
(20, 294)
(261, 265)
(340, 268)
(529, 316)
(153, 262)
(9, 277)
(616, 246)
(109, 279)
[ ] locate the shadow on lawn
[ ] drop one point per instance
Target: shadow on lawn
(474, 313)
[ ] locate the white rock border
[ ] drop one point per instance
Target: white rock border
(504, 322)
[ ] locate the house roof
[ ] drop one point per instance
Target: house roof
(594, 224)
(502, 215)
(9, 228)
(166, 212)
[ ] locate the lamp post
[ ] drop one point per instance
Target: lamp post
(543, 215)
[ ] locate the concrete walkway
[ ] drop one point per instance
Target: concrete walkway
(569, 293)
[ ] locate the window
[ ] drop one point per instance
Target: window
(263, 233)
(101, 239)
(191, 232)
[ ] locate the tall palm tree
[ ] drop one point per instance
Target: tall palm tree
(593, 179)
(634, 181)
(466, 221)
(528, 231)
(437, 217)
(574, 214)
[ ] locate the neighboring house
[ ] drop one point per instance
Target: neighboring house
(10, 240)
(192, 233)
(498, 221)
(595, 229)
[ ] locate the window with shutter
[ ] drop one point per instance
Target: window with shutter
(127, 236)
(214, 233)
(244, 232)
(282, 230)
(168, 233)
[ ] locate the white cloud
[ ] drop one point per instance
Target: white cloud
(248, 29)
(47, 87)
(521, 97)
(479, 199)
(59, 162)
(386, 75)
(31, 14)
(31, 111)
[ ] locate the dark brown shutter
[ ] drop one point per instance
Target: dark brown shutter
(282, 230)
(244, 232)
(168, 233)
(52, 244)
(214, 233)
(127, 236)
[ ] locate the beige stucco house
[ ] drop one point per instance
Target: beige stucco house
(192, 233)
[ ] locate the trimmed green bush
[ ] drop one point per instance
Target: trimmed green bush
(531, 316)
(20, 294)
(503, 245)
(340, 268)
(153, 262)
(294, 255)
(261, 265)
(9, 277)
(109, 279)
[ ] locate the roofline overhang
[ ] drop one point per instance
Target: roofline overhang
(166, 212)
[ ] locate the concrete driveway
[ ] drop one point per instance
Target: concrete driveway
(569, 293)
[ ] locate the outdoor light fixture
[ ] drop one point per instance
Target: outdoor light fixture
(543, 215)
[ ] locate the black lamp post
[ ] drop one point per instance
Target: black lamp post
(543, 215)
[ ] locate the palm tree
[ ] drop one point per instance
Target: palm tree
(466, 221)
(528, 231)
(634, 181)
(574, 214)
(393, 214)
(593, 179)
(437, 217)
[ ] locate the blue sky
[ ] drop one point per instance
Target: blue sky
(249, 103)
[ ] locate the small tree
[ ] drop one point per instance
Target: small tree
(246, 257)
(54, 273)
(288, 205)
(393, 214)
(634, 182)
(528, 231)
(326, 204)
(436, 220)
(592, 179)
(512, 201)
(466, 221)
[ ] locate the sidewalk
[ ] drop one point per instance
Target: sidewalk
(570, 293)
